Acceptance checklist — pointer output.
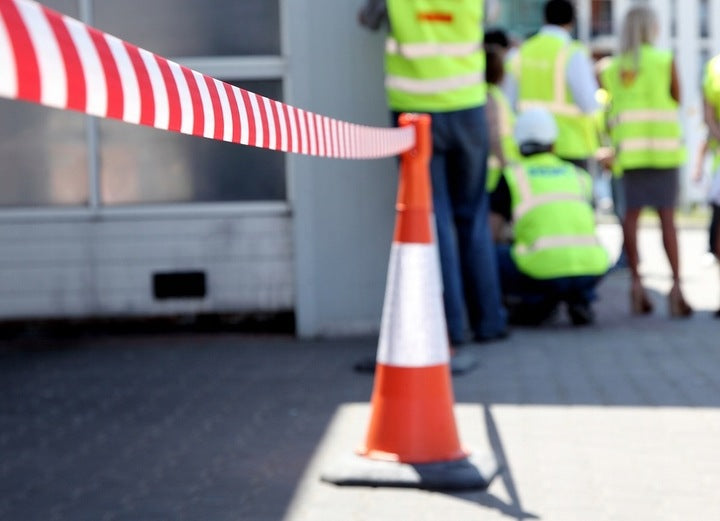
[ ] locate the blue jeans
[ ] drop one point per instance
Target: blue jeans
(543, 293)
(458, 168)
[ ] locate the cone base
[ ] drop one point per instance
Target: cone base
(471, 473)
(460, 364)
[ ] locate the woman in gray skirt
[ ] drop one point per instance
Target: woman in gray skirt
(644, 125)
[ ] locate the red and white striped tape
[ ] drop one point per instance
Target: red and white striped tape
(57, 61)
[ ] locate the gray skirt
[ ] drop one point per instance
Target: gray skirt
(653, 187)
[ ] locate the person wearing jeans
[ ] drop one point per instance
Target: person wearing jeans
(434, 64)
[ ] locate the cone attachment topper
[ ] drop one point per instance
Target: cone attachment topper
(412, 439)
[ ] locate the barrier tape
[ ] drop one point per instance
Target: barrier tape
(57, 61)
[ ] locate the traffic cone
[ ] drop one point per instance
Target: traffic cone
(412, 439)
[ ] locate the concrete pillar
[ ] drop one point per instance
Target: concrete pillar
(687, 60)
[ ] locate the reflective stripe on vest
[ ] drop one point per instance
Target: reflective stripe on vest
(433, 86)
(428, 50)
(560, 241)
(646, 116)
(650, 144)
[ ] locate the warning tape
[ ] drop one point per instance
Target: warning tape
(57, 61)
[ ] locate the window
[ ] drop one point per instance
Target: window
(673, 18)
(602, 18)
(42, 150)
(145, 165)
(194, 27)
(704, 18)
(45, 152)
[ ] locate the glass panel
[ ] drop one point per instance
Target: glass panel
(193, 27)
(673, 18)
(602, 18)
(68, 7)
(43, 154)
(144, 165)
(704, 18)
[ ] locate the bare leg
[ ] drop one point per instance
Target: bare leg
(630, 225)
(670, 242)
(678, 306)
(639, 302)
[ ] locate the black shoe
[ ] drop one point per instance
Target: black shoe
(532, 315)
(717, 314)
(581, 314)
(502, 335)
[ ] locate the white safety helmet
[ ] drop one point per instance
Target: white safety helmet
(535, 126)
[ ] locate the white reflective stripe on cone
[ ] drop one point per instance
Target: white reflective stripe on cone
(413, 331)
(433, 86)
(428, 50)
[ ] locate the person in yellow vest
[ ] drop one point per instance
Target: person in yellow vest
(711, 106)
(645, 131)
(501, 120)
(435, 63)
(553, 71)
(555, 256)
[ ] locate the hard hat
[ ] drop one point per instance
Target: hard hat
(536, 125)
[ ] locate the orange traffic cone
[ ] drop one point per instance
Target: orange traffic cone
(412, 438)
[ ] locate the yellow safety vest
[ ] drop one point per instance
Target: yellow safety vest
(644, 118)
(711, 90)
(541, 70)
(506, 122)
(434, 60)
(553, 221)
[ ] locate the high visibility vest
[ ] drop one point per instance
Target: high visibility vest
(711, 91)
(644, 118)
(553, 221)
(541, 69)
(506, 122)
(434, 60)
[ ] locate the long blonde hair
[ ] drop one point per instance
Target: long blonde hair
(639, 27)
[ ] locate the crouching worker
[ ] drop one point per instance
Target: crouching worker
(555, 257)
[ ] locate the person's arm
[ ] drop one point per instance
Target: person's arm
(493, 121)
(373, 14)
(501, 212)
(711, 119)
(582, 82)
(674, 82)
(702, 150)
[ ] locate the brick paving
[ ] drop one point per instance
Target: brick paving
(619, 421)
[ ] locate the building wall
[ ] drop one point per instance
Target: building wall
(343, 211)
(98, 208)
(72, 267)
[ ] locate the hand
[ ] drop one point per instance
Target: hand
(606, 157)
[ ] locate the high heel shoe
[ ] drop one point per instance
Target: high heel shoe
(677, 305)
(639, 302)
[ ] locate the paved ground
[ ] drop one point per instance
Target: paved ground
(620, 421)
